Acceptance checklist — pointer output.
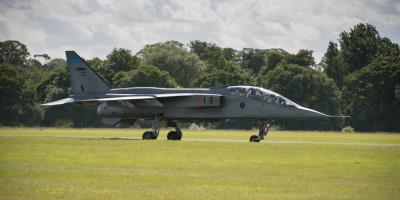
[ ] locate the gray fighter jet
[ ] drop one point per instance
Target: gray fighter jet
(125, 105)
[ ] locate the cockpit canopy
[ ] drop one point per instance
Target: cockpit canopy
(261, 94)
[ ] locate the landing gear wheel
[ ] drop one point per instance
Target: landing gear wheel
(174, 135)
(255, 138)
(149, 135)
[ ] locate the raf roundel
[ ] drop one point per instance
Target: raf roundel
(242, 105)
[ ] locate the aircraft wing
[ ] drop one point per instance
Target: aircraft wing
(167, 95)
(171, 95)
(126, 98)
(60, 102)
(141, 100)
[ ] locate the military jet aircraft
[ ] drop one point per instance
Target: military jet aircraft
(125, 105)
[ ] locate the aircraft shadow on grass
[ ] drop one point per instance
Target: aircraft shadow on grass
(113, 138)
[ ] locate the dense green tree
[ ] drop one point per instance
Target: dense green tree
(232, 75)
(118, 60)
(274, 57)
(359, 46)
(19, 75)
(144, 76)
(13, 52)
(253, 59)
(388, 48)
(10, 93)
(34, 73)
(231, 55)
(56, 63)
(309, 88)
(172, 57)
(303, 58)
(370, 96)
(16, 97)
(121, 60)
(362, 45)
(333, 64)
(210, 53)
(55, 86)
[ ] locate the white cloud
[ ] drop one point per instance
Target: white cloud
(94, 27)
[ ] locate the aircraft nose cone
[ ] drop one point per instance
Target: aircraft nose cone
(307, 112)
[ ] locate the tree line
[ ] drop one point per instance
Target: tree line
(359, 76)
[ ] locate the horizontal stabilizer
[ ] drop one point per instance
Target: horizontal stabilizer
(60, 102)
(338, 116)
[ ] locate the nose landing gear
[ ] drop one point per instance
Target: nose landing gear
(263, 131)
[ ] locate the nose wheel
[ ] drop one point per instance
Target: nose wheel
(255, 138)
(263, 131)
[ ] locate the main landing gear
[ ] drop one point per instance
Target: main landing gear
(174, 135)
(153, 134)
(263, 131)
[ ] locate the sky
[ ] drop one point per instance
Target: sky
(94, 27)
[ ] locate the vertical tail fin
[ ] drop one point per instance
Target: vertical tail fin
(84, 80)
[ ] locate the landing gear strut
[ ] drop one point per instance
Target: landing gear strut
(263, 131)
(153, 134)
(174, 135)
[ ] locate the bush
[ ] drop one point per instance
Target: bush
(348, 129)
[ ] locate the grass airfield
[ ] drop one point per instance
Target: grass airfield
(207, 164)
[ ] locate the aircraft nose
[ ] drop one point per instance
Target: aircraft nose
(307, 112)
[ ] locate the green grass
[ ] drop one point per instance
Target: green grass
(104, 164)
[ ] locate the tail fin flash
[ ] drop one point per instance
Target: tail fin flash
(84, 80)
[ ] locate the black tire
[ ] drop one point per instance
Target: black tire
(174, 135)
(148, 135)
(255, 138)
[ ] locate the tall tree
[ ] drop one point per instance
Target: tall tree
(253, 59)
(333, 64)
(56, 63)
(303, 58)
(232, 75)
(308, 87)
(118, 60)
(11, 92)
(372, 96)
(145, 76)
(16, 97)
(362, 45)
(13, 52)
(210, 53)
(172, 57)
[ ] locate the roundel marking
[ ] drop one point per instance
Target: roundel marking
(242, 105)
